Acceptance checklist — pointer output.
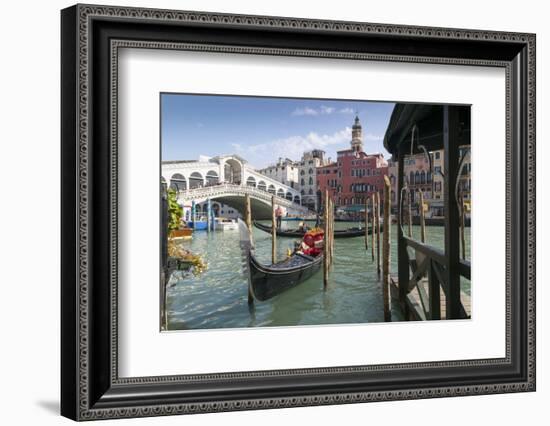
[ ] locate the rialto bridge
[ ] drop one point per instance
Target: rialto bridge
(228, 179)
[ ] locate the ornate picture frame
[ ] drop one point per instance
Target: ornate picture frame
(90, 38)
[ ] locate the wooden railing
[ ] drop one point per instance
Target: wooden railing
(429, 276)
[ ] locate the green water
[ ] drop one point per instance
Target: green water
(218, 297)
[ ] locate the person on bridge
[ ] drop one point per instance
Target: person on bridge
(279, 216)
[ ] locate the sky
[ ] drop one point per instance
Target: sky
(262, 129)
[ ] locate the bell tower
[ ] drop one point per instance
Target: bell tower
(357, 136)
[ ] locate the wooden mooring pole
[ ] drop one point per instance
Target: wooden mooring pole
(208, 214)
(386, 251)
(462, 224)
(248, 221)
(373, 224)
(378, 232)
(422, 219)
(366, 223)
(325, 242)
(410, 215)
(273, 232)
(331, 232)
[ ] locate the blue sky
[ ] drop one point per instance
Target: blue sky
(263, 129)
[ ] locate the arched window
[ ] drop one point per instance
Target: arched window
(297, 199)
(271, 189)
(178, 182)
(303, 192)
(310, 171)
(251, 182)
(302, 172)
(261, 186)
(211, 177)
(422, 177)
(303, 182)
(411, 178)
(195, 180)
(429, 177)
(310, 180)
(280, 193)
(310, 191)
(417, 177)
(288, 196)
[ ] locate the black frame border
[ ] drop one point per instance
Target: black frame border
(90, 387)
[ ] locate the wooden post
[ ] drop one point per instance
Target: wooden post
(386, 251)
(208, 208)
(248, 221)
(331, 232)
(402, 254)
(373, 224)
(410, 216)
(325, 242)
(462, 224)
(273, 232)
(378, 232)
(422, 219)
(366, 223)
(451, 129)
(164, 259)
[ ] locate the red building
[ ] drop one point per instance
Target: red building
(354, 176)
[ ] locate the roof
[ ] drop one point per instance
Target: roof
(427, 119)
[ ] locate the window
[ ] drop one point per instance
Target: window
(310, 191)
(310, 171)
(302, 182)
(437, 155)
(437, 169)
(310, 180)
(302, 173)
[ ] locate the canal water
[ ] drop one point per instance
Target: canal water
(218, 297)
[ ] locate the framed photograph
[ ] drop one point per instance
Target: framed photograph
(263, 212)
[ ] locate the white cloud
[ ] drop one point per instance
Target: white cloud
(305, 111)
(322, 110)
(260, 155)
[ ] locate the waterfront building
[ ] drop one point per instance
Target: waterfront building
(354, 176)
(419, 178)
(300, 175)
(307, 169)
(284, 171)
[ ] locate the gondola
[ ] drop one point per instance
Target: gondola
(269, 280)
(297, 233)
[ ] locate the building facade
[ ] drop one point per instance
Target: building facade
(284, 171)
(307, 174)
(354, 176)
(419, 178)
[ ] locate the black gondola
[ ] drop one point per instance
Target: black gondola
(267, 281)
(297, 233)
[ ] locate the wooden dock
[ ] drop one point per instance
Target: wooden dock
(416, 310)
